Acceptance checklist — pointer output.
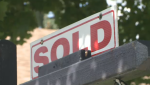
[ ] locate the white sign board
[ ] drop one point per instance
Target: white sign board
(91, 33)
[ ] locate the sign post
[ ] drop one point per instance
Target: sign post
(98, 33)
(8, 63)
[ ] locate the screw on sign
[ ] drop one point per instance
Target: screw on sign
(98, 33)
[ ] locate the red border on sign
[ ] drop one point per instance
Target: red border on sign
(74, 28)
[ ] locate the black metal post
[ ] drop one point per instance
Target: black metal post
(8, 63)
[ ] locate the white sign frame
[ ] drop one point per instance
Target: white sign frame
(80, 28)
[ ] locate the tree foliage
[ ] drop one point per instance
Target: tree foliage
(135, 20)
(17, 16)
(16, 20)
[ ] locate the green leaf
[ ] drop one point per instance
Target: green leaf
(3, 9)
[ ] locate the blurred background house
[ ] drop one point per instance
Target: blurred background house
(23, 55)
